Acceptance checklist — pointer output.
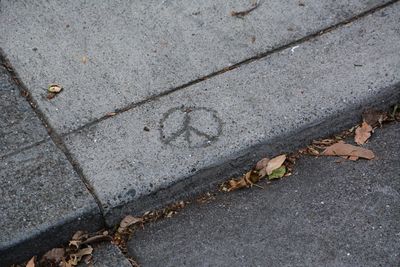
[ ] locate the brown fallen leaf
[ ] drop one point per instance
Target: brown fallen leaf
(247, 180)
(56, 255)
(275, 163)
(262, 164)
(78, 238)
(363, 133)
(349, 151)
(260, 167)
(75, 258)
(31, 262)
(312, 151)
(128, 221)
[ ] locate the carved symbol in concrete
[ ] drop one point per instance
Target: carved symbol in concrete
(196, 126)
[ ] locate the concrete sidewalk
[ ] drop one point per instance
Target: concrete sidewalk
(162, 100)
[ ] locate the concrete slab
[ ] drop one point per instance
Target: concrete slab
(107, 255)
(192, 138)
(111, 54)
(43, 202)
(326, 214)
(19, 126)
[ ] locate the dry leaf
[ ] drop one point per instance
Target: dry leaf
(247, 180)
(262, 164)
(75, 243)
(54, 88)
(75, 258)
(347, 150)
(56, 254)
(65, 264)
(128, 221)
(275, 163)
(312, 151)
(31, 262)
(363, 133)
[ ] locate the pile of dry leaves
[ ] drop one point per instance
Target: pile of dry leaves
(78, 250)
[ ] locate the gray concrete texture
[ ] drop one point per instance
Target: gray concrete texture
(19, 126)
(43, 202)
(197, 136)
(325, 214)
(42, 199)
(110, 54)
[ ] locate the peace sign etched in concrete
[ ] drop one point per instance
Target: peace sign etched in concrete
(192, 126)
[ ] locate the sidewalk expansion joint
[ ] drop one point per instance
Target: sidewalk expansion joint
(234, 66)
(57, 140)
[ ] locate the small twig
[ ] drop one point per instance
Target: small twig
(241, 14)
(259, 186)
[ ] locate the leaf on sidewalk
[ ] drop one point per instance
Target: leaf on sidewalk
(78, 238)
(260, 167)
(128, 221)
(278, 173)
(31, 262)
(56, 255)
(247, 180)
(275, 163)
(363, 133)
(75, 258)
(348, 151)
(262, 164)
(54, 88)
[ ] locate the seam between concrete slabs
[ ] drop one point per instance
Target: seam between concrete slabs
(55, 138)
(234, 66)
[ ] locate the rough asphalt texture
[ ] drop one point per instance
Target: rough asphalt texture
(43, 201)
(194, 137)
(328, 213)
(137, 49)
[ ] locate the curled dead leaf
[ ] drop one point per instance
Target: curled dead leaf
(349, 151)
(312, 151)
(56, 255)
(363, 133)
(262, 164)
(75, 258)
(128, 221)
(275, 163)
(54, 88)
(31, 262)
(247, 180)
